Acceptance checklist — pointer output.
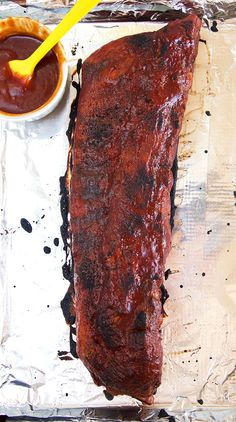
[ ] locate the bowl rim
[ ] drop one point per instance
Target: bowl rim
(53, 101)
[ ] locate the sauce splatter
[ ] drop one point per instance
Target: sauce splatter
(214, 27)
(25, 224)
(47, 250)
(108, 396)
(56, 241)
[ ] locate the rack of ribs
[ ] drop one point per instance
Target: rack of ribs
(130, 111)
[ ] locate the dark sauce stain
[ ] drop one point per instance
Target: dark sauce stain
(164, 48)
(150, 120)
(144, 178)
(188, 26)
(140, 321)
(167, 273)
(74, 49)
(214, 27)
(164, 415)
(200, 401)
(204, 41)
(56, 241)
(93, 69)
(172, 193)
(132, 223)
(206, 22)
(208, 113)
(137, 339)
(87, 241)
(141, 181)
(91, 189)
(67, 306)
(25, 224)
(106, 329)
(98, 133)
(73, 350)
(203, 274)
(174, 119)
(164, 294)
(181, 286)
(228, 224)
(86, 272)
(47, 250)
(160, 119)
(67, 268)
(140, 41)
(127, 282)
(65, 358)
(73, 111)
(62, 353)
(108, 396)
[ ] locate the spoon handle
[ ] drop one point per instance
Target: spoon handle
(78, 11)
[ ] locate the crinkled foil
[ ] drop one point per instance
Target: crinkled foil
(51, 11)
(38, 376)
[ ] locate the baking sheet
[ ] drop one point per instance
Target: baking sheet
(199, 333)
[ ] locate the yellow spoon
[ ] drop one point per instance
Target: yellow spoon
(24, 69)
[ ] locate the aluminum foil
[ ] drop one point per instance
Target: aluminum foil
(51, 11)
(38, 375)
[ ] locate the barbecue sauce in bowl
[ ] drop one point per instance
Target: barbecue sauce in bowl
(16, 97)
(19, 38)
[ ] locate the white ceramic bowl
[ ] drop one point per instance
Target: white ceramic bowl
(27, 26)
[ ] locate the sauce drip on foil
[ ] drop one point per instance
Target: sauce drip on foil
(15, 96)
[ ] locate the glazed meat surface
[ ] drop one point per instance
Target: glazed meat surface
(130, 110)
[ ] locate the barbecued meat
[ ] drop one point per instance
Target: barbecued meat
(130, 110)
